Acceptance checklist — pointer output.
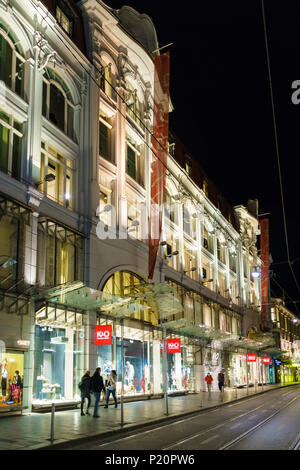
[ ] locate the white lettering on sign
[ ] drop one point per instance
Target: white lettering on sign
(103, 334)
(173, 345)
(251, 358)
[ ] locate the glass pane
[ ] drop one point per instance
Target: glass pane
(104, 141)
(4, 143)
(131, 168)
(70, 122)
(57, 107)
(16, 157)
(9, 230)
(5, 62)
(19, 76)
(52, 185)
(12, 377)
(44, 108)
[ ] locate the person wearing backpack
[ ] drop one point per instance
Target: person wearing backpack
(85, 390)
(111, 388)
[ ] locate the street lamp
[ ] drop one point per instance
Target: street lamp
(255, 273)
(189, 270)
(48, 178)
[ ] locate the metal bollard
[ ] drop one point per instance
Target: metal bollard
(52, 422)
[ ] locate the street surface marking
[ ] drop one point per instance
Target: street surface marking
(209, 439)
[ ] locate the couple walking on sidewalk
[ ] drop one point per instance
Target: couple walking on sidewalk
(96, 385)
(221, 380)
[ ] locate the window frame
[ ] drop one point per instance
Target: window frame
(68, 203)
(15, 55)
(48, 82)
(12, 131)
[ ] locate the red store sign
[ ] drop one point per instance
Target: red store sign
(103, 334)
(251, 357)
(266, 360)
(173, 345)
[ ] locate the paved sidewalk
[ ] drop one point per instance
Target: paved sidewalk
(32, 431)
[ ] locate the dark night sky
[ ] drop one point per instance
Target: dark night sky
(220, 92)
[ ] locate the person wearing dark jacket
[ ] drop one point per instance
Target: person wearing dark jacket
(97, 386)
(85, 390)
(221, 380)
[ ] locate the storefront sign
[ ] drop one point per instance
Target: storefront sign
(103, 334)
(251, 357)
(173, 345)
(23, 342)
(266, 360)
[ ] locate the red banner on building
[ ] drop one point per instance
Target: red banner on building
(159, 153)
(264, 254)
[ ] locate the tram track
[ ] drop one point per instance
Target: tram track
(229, 425)
(226, 422)
(294, 446)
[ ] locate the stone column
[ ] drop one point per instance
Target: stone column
(29, 360)
(90, 349)
(35, 113)
(215, 276)
(120, 146)
(199, 247)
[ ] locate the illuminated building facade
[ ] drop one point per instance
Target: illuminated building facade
(76, 114)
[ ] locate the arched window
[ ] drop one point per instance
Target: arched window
(11, 61)
(127, 284)
(58, 105)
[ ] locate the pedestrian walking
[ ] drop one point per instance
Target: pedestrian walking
(111, 388)
(221, 380)
(208, 379)
(97, 386)
(85, 390)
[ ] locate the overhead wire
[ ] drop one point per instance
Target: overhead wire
(283, 290)
(277, 144)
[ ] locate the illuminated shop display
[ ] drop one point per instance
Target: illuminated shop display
(58, 356)
(11, 378)
(143, 361)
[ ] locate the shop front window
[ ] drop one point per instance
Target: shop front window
(11, 373)
(58, 356)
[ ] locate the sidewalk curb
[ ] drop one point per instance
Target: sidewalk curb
(61, 444)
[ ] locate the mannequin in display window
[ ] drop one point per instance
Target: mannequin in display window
(16, 387)
(4, 377)
(129, 373)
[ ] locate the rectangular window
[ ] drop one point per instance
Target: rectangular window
(131, 162)
(11, 139)
(104, 141)
(63, 261)
(64, 21)
(57, 174)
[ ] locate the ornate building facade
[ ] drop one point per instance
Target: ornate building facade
(76, 117)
